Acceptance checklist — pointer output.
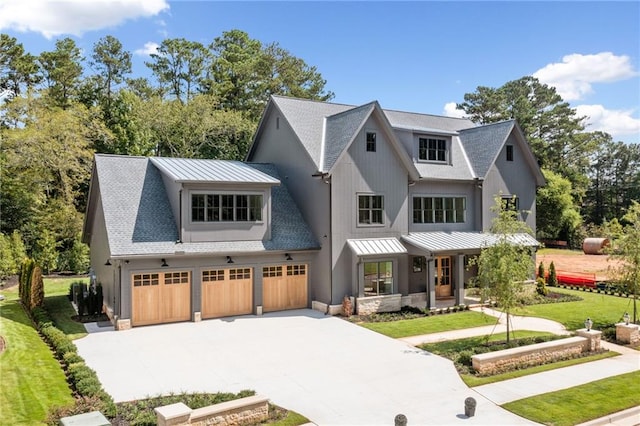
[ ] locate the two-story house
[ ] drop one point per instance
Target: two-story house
(334, 200)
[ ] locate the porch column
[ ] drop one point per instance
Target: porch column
(459, 280)
(431, 288)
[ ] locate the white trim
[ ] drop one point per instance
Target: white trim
(322, 143)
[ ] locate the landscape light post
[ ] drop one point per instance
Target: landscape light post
(588, 323)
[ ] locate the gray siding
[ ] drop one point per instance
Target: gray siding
(280, 146)
(511, 178)
(99, 255)
(445, 189)
(359, 172)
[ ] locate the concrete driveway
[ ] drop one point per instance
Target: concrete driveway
(331, 371)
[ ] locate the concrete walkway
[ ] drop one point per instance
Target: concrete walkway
(549, 381)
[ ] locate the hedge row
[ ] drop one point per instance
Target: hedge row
(83, 379)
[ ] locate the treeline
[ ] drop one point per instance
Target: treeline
(58, 108)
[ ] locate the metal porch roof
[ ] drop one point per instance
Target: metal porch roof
(457, 241)
(376, 246)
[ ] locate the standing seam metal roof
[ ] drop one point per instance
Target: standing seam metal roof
(452, 241)
(202, 170)
(376, 246)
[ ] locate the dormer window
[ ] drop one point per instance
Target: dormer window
(371, 142)
(432, 149)
(226, 208)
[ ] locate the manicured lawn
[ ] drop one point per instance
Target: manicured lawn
(432, 324)
(560, 251)
(31, 378)
(581, 403)
(449, 348)
(602, 309)
(56, 301)
(60, 286)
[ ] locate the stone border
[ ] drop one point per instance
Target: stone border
(249, 410)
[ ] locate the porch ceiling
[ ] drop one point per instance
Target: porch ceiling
(376, 246)
(459, 241)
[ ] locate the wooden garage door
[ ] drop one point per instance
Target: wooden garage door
(227, 292)
(161, 297)
(284, 287)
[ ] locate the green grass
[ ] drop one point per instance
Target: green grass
(472, 380)
(431, 324)
(31, 378)
(60, 286)
(581, 403)
(558, 251)
(60, 310)
(448, 348)
(602, 309)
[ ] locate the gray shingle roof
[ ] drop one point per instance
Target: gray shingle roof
(420, 122)
(139, 219)
(210, 171)
(340, 130)
(483, 144)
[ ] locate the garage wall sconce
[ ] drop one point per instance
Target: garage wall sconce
(229, 259)
(288, 256)
(164, 263)
(107, 263)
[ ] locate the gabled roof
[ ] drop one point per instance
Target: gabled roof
(189, 170)
(340, 129)
(484, 143)
(139, 219)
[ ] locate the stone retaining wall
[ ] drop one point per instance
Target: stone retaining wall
(373, 304)
(530, 355)
(249, 410)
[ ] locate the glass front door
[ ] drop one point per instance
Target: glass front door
(443, 277)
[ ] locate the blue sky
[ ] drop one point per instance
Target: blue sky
(411, 56)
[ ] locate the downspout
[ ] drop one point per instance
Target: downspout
(180, 215)
(328, 182)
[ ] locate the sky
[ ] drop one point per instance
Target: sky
(418, 56)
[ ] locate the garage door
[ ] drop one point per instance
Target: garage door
(227, 292)
(161, 297)
(284, 287)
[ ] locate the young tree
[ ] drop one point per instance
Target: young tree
(627, 250)
(505, 265)
(557, 216)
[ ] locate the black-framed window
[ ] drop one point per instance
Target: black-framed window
(378, 278)
(370, 209)
(509, 152)
(371, 142)
(226, 207)
(439, 209)
(432, 149)
(510, 202)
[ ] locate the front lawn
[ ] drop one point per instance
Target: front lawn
(581, 403)
(603, 310)
(431, 324)
(31, 378)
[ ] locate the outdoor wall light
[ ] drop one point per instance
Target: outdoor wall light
(626, 318)
(287, 256)
(229, 259)
(164, 263)
(588, 323)
(107, 263)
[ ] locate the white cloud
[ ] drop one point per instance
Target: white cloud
(451, 111)
(573, 77)
(618, 123)
(52, 18)
(149, 48)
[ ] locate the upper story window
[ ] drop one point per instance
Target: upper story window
(432, 149)
(370, 209)
(439, 209)
(226, 208)
(509, 152)
(510, 202)
(371, 142)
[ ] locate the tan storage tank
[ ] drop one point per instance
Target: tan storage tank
(594, 245)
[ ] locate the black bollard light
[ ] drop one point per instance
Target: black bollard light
(469, 407)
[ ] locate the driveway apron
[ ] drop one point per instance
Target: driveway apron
(329, 370)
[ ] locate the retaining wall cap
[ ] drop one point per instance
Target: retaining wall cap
(569, 341)
(230, 405)
(172, 411)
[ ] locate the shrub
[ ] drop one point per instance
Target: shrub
(541, 271)
(72, 358)
(58, 340)
(81, 405)
(464, 358)
(24, 289)
(541, 287)
(553, 278)
(37, 288)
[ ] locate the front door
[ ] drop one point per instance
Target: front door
(443, 278)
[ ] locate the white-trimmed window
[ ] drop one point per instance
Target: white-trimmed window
(226, 207)
(433, 149)
(370, 209)
(439, 209)
(378, 278)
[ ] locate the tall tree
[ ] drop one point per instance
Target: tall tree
(61, 70)
(504, 266)
(179, 67)
(112, 64)
(550, 125)
(18, 70)
(556, 214)
(627, 250)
